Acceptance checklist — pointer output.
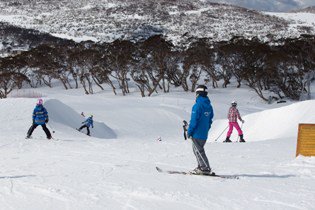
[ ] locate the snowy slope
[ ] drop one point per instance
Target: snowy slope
(178, 21)
(118, 171)
(299, 19)
(63, 116)
(274, 120)
(270, 5)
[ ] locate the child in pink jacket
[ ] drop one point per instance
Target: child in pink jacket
(233, 115)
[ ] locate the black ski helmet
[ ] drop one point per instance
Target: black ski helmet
(202, 90)
(234, 103)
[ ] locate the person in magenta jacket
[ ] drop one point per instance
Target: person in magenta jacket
(233, 115)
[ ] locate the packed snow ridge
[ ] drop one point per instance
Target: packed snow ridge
(63, 116)
(272, 122)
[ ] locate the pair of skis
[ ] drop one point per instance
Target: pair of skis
(190, 173)
(42, 138)
(185, 128)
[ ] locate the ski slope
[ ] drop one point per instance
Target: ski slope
(115, 168)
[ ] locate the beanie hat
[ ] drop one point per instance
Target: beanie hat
(40, 101)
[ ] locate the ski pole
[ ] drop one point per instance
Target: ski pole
(49, 125)
(185, 129)
(221, 134)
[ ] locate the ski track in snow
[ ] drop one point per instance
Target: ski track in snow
(117, 171)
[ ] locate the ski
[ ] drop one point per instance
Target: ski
(232, 142)
(189, 173)
(41, 138)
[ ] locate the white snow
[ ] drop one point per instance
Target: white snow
(76, 39)
(115, 168)
(63, 116)
(300, 18)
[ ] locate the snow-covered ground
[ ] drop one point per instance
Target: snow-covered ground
(298, 19)
(115, 169)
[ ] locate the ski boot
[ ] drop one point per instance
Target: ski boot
(199, 171)
(207, 172)
(242, 139)
(28, 137)
(227, 140)
(196, 171)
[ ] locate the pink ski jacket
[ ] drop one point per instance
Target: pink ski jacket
(233, 114)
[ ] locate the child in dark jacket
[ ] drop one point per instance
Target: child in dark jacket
(40, 117)
(87, 124)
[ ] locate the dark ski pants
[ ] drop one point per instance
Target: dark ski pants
(87, 128)
(32, 128)
(198, 148)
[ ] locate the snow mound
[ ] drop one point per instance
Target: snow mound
(61, 116)
(280, 122)
(269, 124)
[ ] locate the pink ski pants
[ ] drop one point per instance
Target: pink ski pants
(231, 125)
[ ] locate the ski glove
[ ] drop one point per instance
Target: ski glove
(46, 121)
(243, 121)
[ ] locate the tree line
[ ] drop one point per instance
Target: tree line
(282, 68)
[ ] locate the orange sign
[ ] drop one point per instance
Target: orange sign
(306, 140)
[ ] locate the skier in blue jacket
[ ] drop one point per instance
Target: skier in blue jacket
(87, 124)
(40, 117)
(200, 123)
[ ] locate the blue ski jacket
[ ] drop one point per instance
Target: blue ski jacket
(40, 115)
(201, 118)
(89, 122)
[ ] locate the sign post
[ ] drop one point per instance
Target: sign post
(306, 140)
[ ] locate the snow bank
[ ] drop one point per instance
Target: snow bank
(61, 115)
(270, 124)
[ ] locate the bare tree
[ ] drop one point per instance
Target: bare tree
(9, 81)
(157, 50)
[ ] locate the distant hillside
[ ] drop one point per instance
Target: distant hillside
(270, 5)
(178, 20)
(15, 39)
(308, 9)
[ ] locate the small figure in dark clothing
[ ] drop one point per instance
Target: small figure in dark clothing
(40, 117)
(86, 124)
